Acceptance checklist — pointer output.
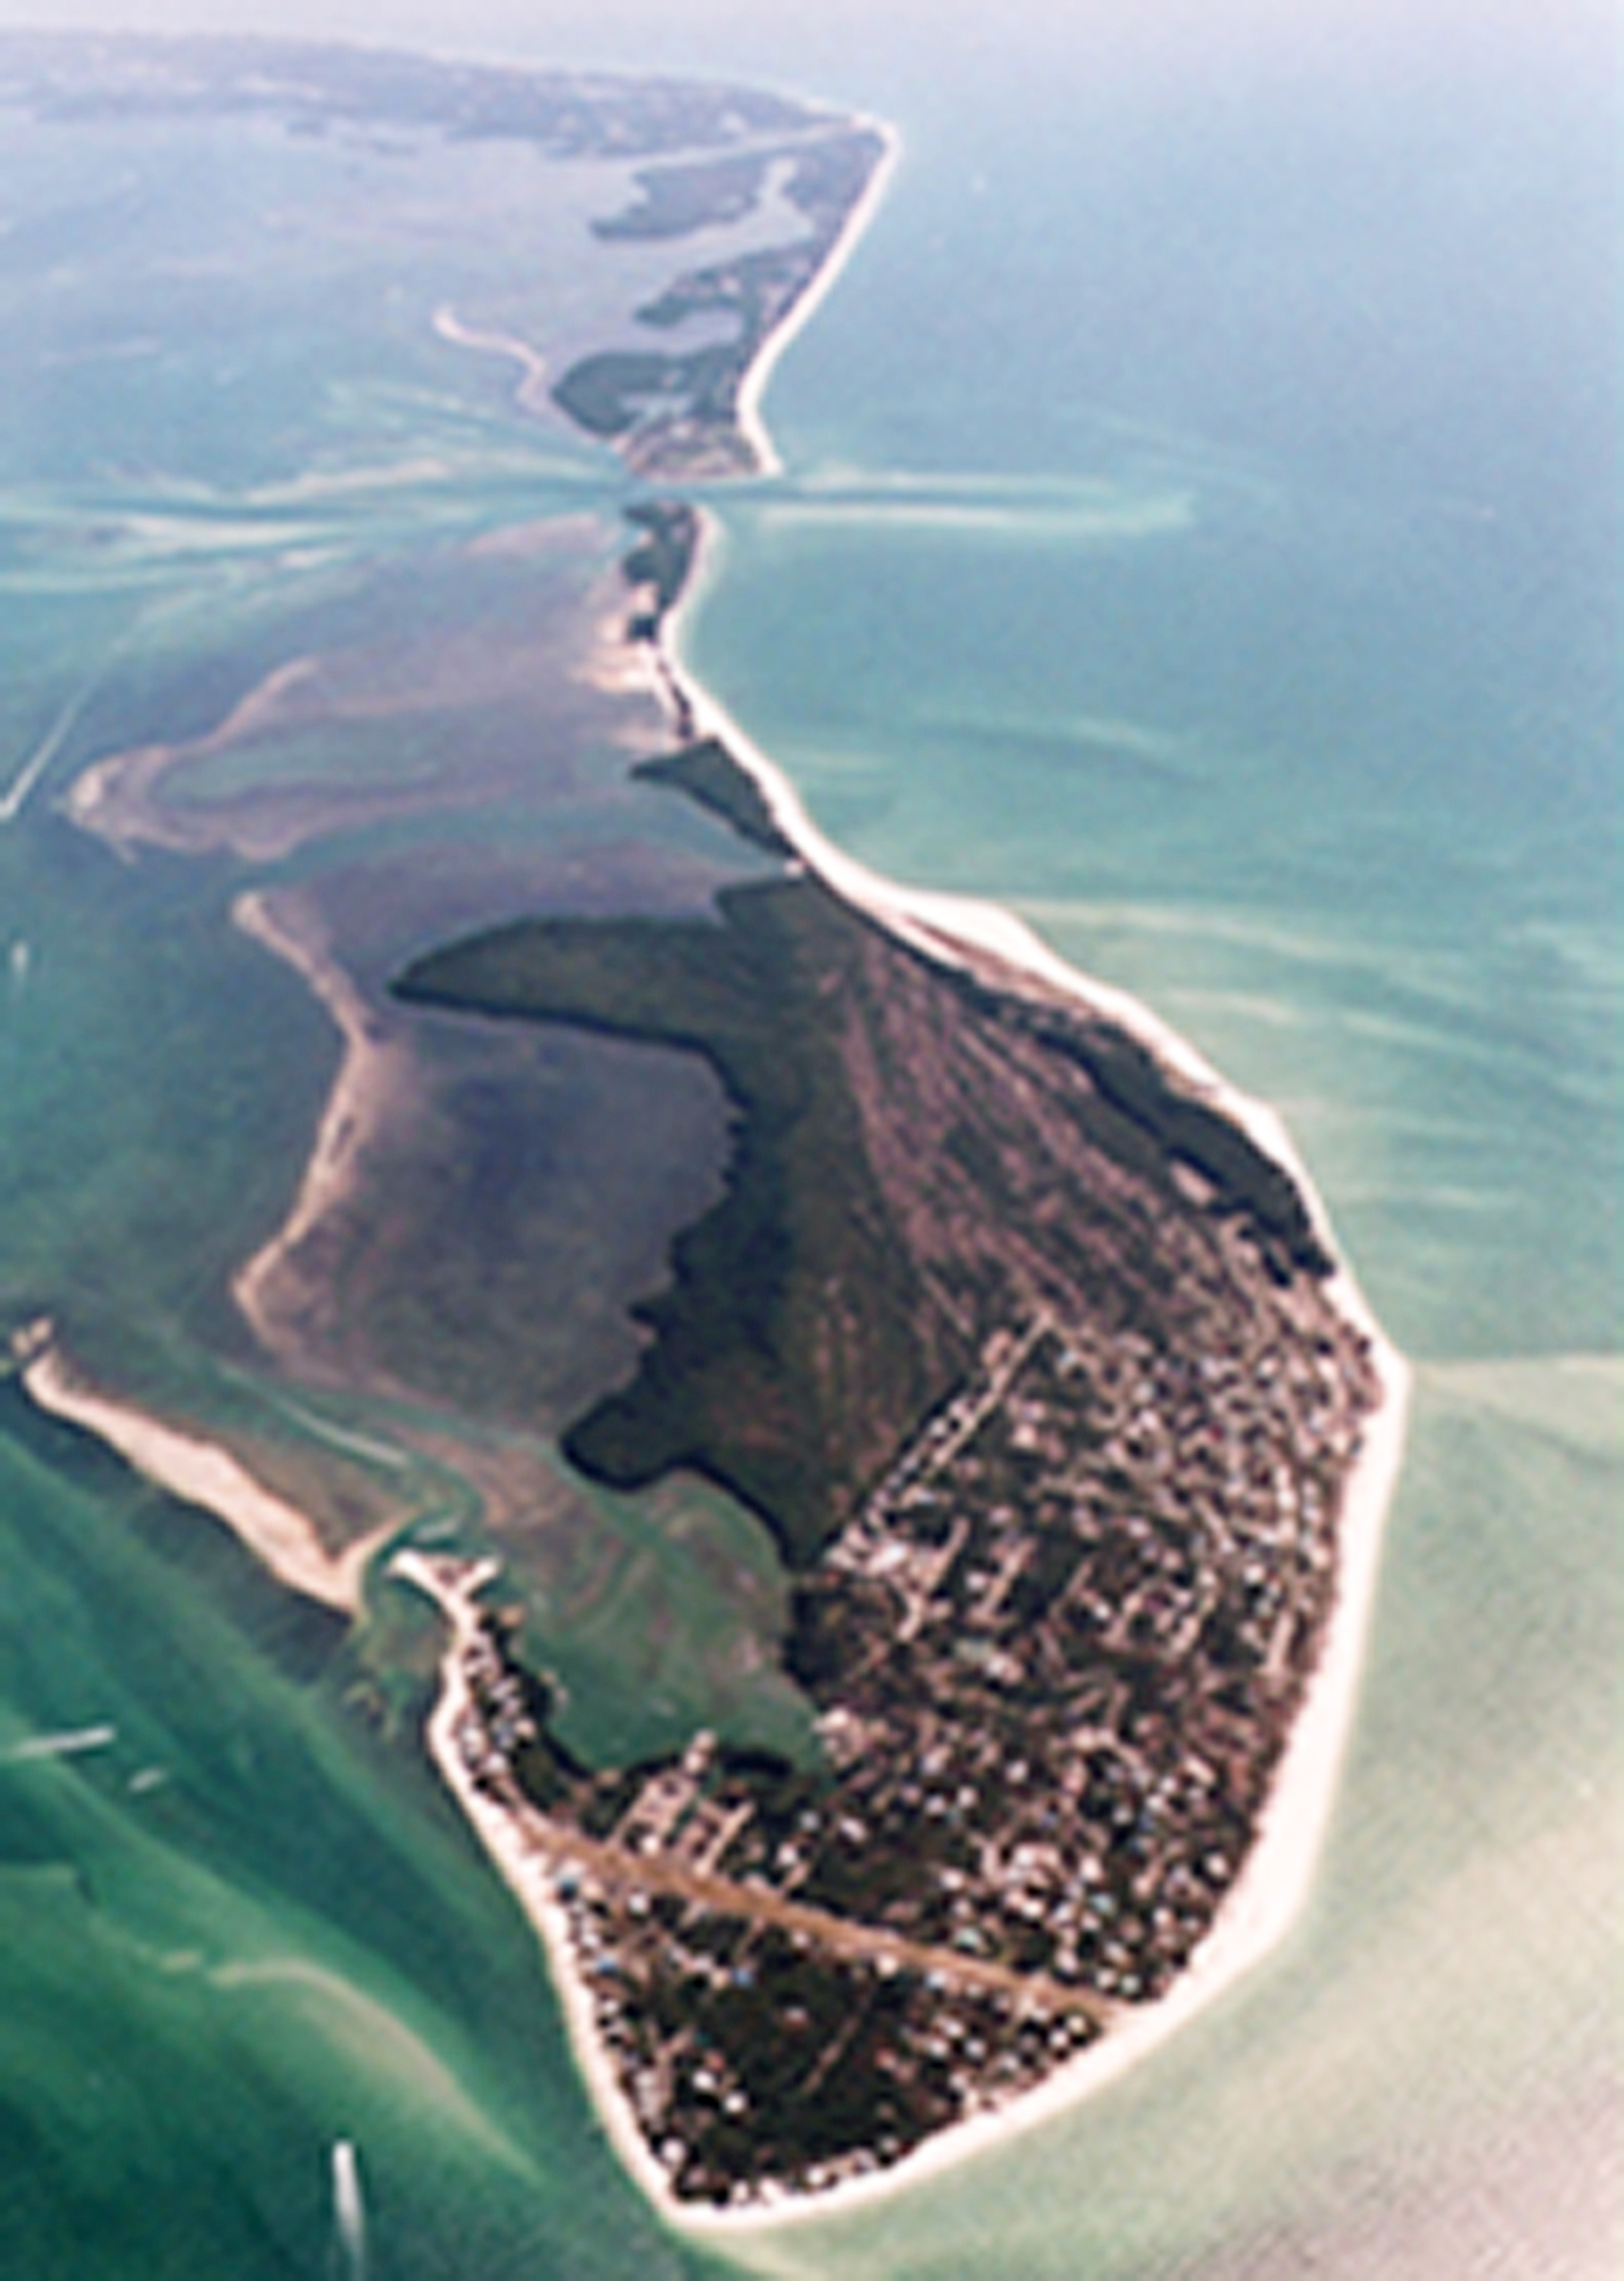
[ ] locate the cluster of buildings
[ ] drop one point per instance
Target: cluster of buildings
(1056, 1657)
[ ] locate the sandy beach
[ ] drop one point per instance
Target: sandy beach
(1259, 1912)
(275, 1291)
(1279, 1875)
(981, 937)
(748, 412)
(277, 1533)
(280, 1289)
(531, 391)
(525, 1866)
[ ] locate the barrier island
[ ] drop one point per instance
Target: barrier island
(1023, 1336)
(1037, 1364)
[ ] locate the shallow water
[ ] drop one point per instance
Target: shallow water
(1281, 706)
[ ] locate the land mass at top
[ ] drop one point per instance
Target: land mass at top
(715, 158)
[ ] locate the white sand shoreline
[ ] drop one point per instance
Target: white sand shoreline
(1260, 1911)
(753, 386)
(453, 1586)
(279, 1536)
(1274, 1885)
(374, 1083)
(1268, 1896)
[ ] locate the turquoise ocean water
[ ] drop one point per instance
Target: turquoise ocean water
(1196, 532)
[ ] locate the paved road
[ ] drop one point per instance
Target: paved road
(620, 1871)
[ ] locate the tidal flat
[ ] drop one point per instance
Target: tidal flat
(1401, 1029)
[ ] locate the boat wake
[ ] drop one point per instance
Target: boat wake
(348, 2261)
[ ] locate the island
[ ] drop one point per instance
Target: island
(1022, 1336)
(1037, 1366)
(803, 177)
(684, 411)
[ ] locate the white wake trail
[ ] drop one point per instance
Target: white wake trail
(349, 2209)
(71, 1743)
(14, 799)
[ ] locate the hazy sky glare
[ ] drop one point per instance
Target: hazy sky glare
(842, 39)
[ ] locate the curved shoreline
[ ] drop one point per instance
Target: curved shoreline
(759, 371)
(1001, 952)
(530, 389)
(990, 943)
(953, 931)
(526, 1871)
(279, 1536)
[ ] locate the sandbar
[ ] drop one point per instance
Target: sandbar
(531, 393)
(284, 1539)
(376, 1084)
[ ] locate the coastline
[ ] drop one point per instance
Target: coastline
(374, 1083)
(1000, 951)
(279, 1536)
(1268, 1898)
(1261, 1908)
(453, 1585)
(753, 386)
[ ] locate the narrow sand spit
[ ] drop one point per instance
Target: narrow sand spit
(1269, 1895)
(748, 412)
(377, 1085)
(531, 393)
(115, 797)
(275, 1532)
(981, 938)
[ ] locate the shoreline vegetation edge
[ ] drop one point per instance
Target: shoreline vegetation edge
(998, 949)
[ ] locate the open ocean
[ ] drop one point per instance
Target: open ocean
(1197, 533)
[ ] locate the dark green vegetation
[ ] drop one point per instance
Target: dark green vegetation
(708, 774)
(918, 1160)
(730, 1386)
(1023, 1352)
(824, 179)
(611, 394)
(1183, 1130)
(662, 558)
(756, 289)
(674, 200)
(673, 411)
(678, 411)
